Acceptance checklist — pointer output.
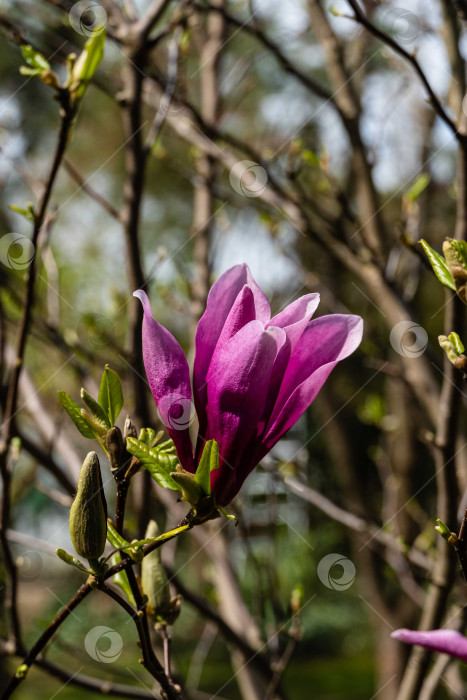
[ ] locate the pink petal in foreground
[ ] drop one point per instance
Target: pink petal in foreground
(169, 379)
(294, 318)
(220, 300)
(237, 386)
(445, 641)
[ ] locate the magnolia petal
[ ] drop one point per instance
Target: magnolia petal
(325, 342)
(220, 300)
(445, 641)
(169, 379)
(237, 386)
(294, 318)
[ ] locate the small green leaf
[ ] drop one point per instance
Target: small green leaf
(34, 59)
(457, 342)
(86, 65)
(24, 70)
(121, 579)
(111, 394)
(114, 537)
(27, 212)
(97, 411)
(158, 463)
(208, 462)
(74, 411)
(420, 184)
(438, 263)
(148, 435)
(71, 560)
(99, 428)
(461, 249)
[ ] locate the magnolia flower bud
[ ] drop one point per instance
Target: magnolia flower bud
(88, 513)
(153, 578)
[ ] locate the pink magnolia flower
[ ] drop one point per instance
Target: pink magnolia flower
(253, 376)
(446, 641)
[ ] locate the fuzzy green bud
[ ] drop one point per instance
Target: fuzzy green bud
(88, 513)
(455, 253)
(154, 579)
(22, 671)
(443, 530)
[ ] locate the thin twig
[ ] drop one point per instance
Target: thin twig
(362, 19)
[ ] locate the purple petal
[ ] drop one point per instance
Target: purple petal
(325, 342)
(169, 378)
(221, 299)
(242, 312)
(294, 318)
(446, 641)
(237, 386)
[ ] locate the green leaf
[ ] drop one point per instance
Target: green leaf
(86, 65)
(457, 342)
(420, 184)
(111, 394)
(438, 263)
(74, 411)
(147, 435)
(34, 59)
(158, 463)
(97, 411)
(114, 537)
(71, 560)
(27, 212)
(208, 462)
(24, 70)
(121, 579)
(461, 248)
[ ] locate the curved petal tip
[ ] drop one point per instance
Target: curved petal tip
(399, 634)
(143, 297)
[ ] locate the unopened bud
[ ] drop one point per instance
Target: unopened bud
(154, 579)
(442, 529)
(116, 450)
(455, 253)
(88, 512)
(22, 671)
(129, 429)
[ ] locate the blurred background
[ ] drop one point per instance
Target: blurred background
(286, 136)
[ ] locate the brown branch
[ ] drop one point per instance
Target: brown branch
(256, 32)
(81, 680)
(445, 464)
(210, 613)
(83, 184)
(66, 119)
(362, 19)
(357, 524)
(63, 614)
